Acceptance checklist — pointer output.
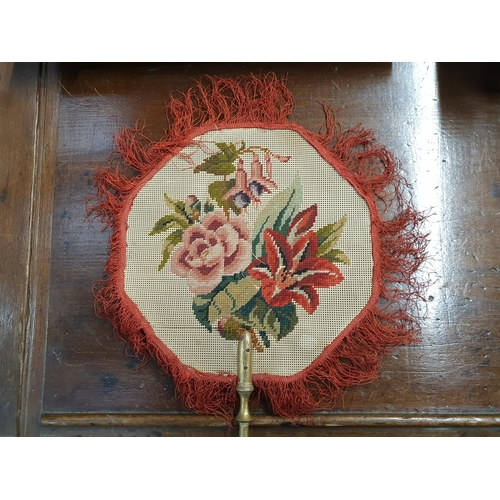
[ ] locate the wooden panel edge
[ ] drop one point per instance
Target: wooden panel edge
(18, 117)
(39, 265)
(351, 420)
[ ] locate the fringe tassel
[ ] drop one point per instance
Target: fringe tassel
(353, 358)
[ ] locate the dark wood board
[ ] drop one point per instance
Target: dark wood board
(441, 121)
(18, 127)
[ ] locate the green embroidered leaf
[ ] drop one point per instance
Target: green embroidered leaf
(218, 189)
(277, 214)
(208, 207)
(171, 241)
(263, 319)
(276, 322)
(177, 206)
(255, 315)
(229, 150)
(200, 309)
(189, 212)
(244, 312)
(265, 339)
(220, 163)
(272, 324)
(201, 303)
(337, 256)
(287, 318)
(329, 235)
(234, 296)
(168, 222)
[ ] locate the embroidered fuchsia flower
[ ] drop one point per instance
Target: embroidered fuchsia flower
(244, 191)
(258, 182)
(240, 193)
(291, 270)
(269, 164)
(210, 250)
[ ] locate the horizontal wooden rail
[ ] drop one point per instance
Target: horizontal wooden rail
(349, 420)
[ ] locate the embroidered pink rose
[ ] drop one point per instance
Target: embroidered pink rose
(215, 248)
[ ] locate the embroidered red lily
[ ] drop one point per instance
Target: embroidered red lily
(291, 270)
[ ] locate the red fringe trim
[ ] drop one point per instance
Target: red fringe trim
(390, 318)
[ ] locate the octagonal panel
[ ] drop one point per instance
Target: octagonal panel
(249, 229)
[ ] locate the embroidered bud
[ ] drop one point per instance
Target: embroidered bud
(228, 327)
(193, 206)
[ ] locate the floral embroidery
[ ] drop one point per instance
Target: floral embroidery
(244, 192)
(291, 270)
(212, 249)
(240, 193)
(246, 278)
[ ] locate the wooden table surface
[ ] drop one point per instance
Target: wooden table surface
(62, 371)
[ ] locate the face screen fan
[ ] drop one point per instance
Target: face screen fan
(241, 222)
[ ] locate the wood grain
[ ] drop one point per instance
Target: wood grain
(273, 432)
(441, 121)
(39, 264)
(325, 420)
(18, 118)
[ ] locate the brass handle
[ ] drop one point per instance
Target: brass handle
(244, 387)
